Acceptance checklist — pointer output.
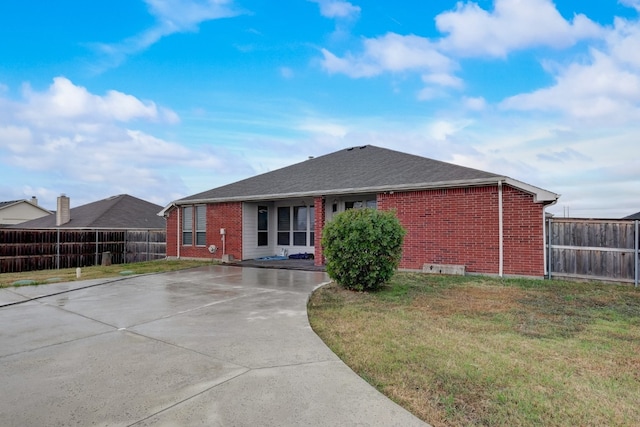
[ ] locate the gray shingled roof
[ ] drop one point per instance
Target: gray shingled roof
(634, 216)
(122, 211)
(352, 170)
(8, 203)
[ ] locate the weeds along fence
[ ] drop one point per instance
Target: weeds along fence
(27, 250)
(606, 250)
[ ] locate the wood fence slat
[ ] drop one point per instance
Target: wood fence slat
(25, 250)
(593, 248)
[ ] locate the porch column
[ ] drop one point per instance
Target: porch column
(319, 208)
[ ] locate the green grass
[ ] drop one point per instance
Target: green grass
(475, 351)
(43, 277)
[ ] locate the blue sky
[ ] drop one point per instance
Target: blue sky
(161, 99)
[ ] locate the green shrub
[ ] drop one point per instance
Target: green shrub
(363, 248)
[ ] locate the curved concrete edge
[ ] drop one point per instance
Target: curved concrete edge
(392, 414)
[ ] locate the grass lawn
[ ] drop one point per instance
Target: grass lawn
(97, 272)
(469, 351)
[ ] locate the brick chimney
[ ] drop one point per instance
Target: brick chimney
(63, 214)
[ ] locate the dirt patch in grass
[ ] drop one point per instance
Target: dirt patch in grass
(477, 351)
(469, 300)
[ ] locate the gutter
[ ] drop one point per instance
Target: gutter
(539, 195)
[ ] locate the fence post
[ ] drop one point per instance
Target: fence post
(96, 263)
(637, 255)
(58, 249)
(549, 250)
(147, 245)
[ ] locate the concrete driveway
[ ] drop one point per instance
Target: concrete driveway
(213, 346)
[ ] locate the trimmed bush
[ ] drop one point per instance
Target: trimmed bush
(363, 248)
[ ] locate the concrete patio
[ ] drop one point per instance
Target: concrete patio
(213, 346)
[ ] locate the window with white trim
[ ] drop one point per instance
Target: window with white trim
(296, 225)
(201, 225)
(187, 225)
(284, 225)
(263, 226)
(194, 220)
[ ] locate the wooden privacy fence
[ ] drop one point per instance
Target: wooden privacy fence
(27, 250)
(594, 249)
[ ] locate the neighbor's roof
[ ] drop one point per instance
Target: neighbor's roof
(356, 170)
(634, 216)
(9, 203)
(122, 211)
(4, 205)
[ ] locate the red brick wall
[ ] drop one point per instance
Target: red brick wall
(172, 233)
(319, 209)
(461, 226)
(523, 233)
(219, 215)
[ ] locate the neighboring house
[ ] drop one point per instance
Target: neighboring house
(18, 211)
(634, 216)
(453, 215)
(117, 212)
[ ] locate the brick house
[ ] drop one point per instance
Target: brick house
(453, 215)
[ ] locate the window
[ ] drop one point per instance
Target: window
(312, 226)
(296, 226)
(263, 226)
(201, 225)
(300, 226)
(194, 219)
(187, 225)
(284, 225)
(360, 204)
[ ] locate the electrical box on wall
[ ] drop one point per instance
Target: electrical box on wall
(223, 231)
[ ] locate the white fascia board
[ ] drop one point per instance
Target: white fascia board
(167, 208)
(539, 195)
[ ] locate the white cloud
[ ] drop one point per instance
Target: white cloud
(389, 53)
(64, 100)
(474, 103)
(443, 79)
(286, 73)
(67, 136)
(623, 42)
(185, 15)
(631, 3)
(172, 16)
(324, 127)
(14, 138)
(335, 9)
(600, 90)
(441, 130)
(512, 25)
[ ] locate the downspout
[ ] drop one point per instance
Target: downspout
(637, 251)
(500, 231)
(178, 233)
(550, 250)
(544, 241)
